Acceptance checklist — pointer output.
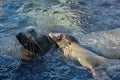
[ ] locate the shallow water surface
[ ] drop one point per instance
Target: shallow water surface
(78, 17)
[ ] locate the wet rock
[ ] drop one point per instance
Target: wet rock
(104, 43)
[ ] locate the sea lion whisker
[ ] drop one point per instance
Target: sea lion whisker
(51, 41)
(32, 47)
(38, 45)
(27, 48)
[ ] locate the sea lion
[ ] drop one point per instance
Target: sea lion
(35, 39)
(71, 48)
(34, 42)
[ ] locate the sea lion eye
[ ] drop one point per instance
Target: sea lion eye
(61, 36)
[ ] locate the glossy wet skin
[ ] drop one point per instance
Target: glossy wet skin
(71, 48)
(34, 42)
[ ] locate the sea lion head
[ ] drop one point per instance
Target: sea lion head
(62, 39)
(34, 41)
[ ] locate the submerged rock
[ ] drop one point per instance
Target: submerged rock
(104, 43)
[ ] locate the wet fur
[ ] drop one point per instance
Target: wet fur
(71, 48)
(33, 42)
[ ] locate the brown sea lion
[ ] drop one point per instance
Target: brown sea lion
(71, 48)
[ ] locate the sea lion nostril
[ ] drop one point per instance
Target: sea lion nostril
(20, 34)
(21, 37)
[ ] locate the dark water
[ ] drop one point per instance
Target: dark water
(77, 16)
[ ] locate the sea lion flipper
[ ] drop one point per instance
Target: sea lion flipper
(100, 74)
(102, 78)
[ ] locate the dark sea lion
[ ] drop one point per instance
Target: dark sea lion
(71, 48)
(34, 41)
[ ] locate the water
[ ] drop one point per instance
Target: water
(78, 17)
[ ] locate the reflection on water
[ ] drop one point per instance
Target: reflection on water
(77, 16)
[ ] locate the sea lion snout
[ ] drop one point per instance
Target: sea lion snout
(56, 36)
(24, 40)
(19, 35)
